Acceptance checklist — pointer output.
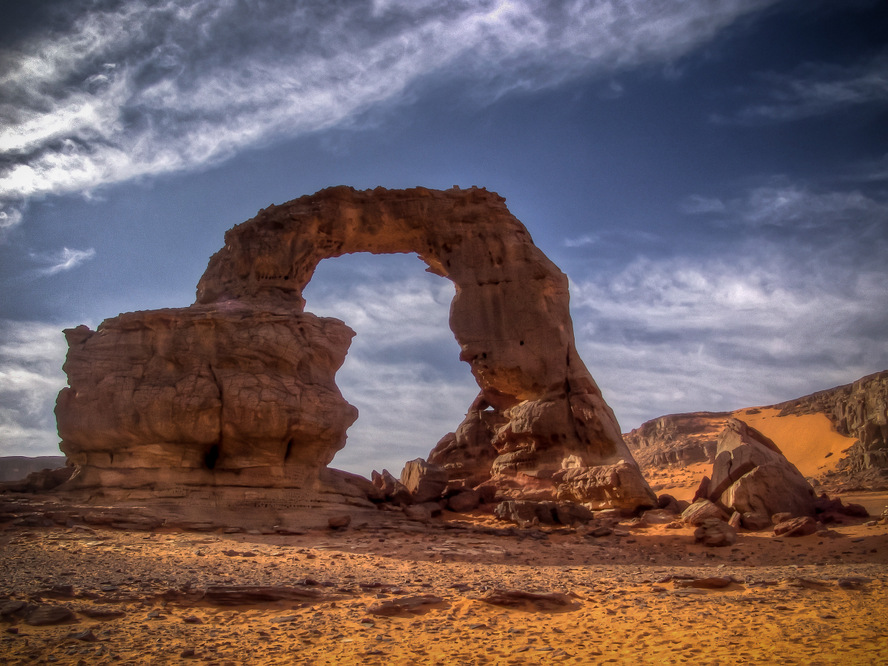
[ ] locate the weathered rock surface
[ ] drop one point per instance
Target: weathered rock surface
(677, 439)
(238, 389)
(715, 533)
(701, 511)
(207, 395)
(423, 480)
(796, 527)
(751, 475)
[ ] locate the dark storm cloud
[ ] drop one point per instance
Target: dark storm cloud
(129, 89)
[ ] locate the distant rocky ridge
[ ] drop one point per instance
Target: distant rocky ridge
(16, 468)
(858, 410)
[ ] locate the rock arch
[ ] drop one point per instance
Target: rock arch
(246, 377)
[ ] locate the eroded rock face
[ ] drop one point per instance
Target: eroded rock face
(238, 388)
(206, 395)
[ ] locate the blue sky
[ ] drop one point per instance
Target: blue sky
(711, 175)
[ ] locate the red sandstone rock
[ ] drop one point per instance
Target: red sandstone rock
(750, 474)
(237, 390)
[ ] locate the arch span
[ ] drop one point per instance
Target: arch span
(246, 374)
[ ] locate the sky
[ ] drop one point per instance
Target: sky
(712, 176)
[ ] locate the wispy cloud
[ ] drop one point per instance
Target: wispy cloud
(756, 327)
(815, 90)
(134, 89)
(31, 357)
(795, 205)
(582, 241)
(64, 260)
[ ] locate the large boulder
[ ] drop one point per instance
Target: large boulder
(423, 480)
(751, 475)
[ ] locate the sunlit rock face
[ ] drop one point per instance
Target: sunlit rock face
(238, 388)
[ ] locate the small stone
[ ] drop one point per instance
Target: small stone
(47, 615)
(86, 635)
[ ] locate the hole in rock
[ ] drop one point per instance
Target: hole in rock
(402, 370)
(211, 457)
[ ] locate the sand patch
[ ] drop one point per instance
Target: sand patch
(808, 441)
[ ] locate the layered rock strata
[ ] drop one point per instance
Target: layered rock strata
(238, 389)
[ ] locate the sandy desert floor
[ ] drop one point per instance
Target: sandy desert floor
(421, 594)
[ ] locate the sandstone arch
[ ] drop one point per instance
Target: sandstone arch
(244, 378)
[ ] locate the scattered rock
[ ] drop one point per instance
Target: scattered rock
(715, 533)
(419, 512)
(754, 521)
(714, 583)
(47, 615)
(405, 605)
(796, 527)
(86, 635)
(658, 516)
(237, 595)
(545, 601)
(391, 488)
(701, 511)
(570, 513)
(855, 510)
(751, 474)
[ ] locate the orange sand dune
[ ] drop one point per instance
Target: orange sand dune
(808, 441)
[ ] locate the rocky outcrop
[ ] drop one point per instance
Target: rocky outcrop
(16, 468)
(751, 475)
(238, 389)
(677, 439)
(858, 410)
(209, 395)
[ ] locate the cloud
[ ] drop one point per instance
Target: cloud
(795, 205)
(402, 371)
(753, 326)
(697, 205)
(815, 90)
(582, 241)
(31, 358)
(135, 89)
(65, 260)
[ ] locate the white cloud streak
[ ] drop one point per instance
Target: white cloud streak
(65, 260)
(816, 90)
(142, 88)
(794, 205)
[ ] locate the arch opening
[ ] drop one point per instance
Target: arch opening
(403, 370)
